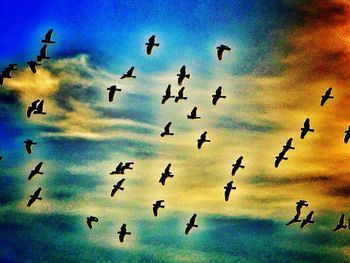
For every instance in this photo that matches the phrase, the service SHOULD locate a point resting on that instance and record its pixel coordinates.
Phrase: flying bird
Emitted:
(180, 95)
(156, 206)
(48, 37)
(39, 109)
(326, 96)
(340, 224)
(166, 174)
(167, 94)
(237, 165)
(28, 145)
(202, 140)
(280, 157)
(182, 75)
(193, 114)
(123, 232)
(119, 169)
(43, 53)
(129, 74)
(151, 43)
(35, 171)
(34, 197)
(166, 130)
(308, 220)
(347, 135)
(191, 224)
(306, 129)
(288, 145)
(91, 219)
(221, 49)
(228, 189)
(33, 64)
(32, 107)
(112, 90)
(117, 187)
(217, 95)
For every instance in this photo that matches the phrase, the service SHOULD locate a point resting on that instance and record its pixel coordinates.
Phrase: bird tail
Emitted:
(311, 130)
(156, 44)
(195, 225)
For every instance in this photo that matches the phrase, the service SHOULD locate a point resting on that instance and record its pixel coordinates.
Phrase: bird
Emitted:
(340, 224)
(7, 72)
(33, 64)
(39, 109)
(112, 90)
(294, 220)
(280, 157)
(193, 114)
(182, 75)
(307, 220)
(347, 135)
(129, 74)
(166, 130)
(166, 174)
(35, 171)
(167, 94)
(306, 129)
(180, 95)
(117, 187)
(228, 189)
(28, 145)
(217, 95)
(288, 145)
(32, 107)
(48, 37)
(119, 169)
(221, 49)
(34, 197)
(202, 140)
(156, 206)
(300, 205)
(191, 224)
(43, 53)
(91, 219)
(123, 232)
(151, 43)
(326, 96)
(237, 165)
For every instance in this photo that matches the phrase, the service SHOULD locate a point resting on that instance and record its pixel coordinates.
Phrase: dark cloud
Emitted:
(228, 122)
(343, 191)
(292, 179)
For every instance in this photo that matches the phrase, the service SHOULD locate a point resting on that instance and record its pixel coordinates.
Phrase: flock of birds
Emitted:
(37, 107)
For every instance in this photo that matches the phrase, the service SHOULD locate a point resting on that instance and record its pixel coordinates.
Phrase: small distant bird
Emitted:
(228, 189)
(289, 145)
(32, 107)
(112, 90)
(191, 224)
(33, 64)
(300, 205)
(326, 96)
(35, 171)
(28, 145)
(193, 114)
(202, 140)
(166, 174)
(48, 37)
(39, 109)
(308, 220)
(123, 232)
(180, 95)
(347, 135)
(294, 220)
(151, 43)
(166, 130)
(156, 206)
(306, 129)
(280, 157)
(217, 95)
(43, 54)
(182, 75)
(34, 197)
(340, 224)
(119, 169)
(7, 72)
(129, 74)
(91, 219)
(237, 165)
(221, 49)
(167, 94)
(117, 187)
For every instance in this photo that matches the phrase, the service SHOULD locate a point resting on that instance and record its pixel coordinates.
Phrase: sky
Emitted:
(284, 55)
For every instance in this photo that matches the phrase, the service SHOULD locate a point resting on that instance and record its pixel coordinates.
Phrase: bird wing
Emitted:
(155, 210)
(32, 67)
(114, 190)
(40, 107)
(38, 167)
(215, 99)
(188, 228)
(48, 35)
(43, 50)
(149, 49)
(168, 91)
(303, 133)
(167, 127)
(121, 236)
(199, 143)
(167, 169)
(89, 222)
(227, 193)
(28, 148)
(341, 221)
(111, 94)
(31, 201)
(130, 71)
(183, 70)
(220, 51)
(194, 112)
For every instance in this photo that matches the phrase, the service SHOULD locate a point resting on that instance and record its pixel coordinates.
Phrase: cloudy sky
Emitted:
(284, 55)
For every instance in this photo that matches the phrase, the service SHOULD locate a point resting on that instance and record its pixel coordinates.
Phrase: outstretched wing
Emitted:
(48, 35)
(220, 51)
(130, 71)
(43, 51)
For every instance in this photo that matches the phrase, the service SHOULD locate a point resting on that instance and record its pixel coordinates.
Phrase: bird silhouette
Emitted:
(182, 75)
(48, 37)
(326, 96)
(128, 166)
(180, 95)
(35, 171)
(191, 224)
(119, 169)
(166, 174)
(167, 94)
(307, 220)
(151, 43)
(228, 189)
(91, 219)
(237, 165)
(43, 53)
(340, 224)
(32, 107)
(294, 220)
(193, 114)
(306, 128)
(347, 135)
(122, 233)
(7, 72)
(28, 145)
(117, 187)
(166, 130)
(217, 95)
(288, 145)
(129, 74)
(300, 204)
(34, 197)
(202, 140)
(221, 49)
(39, 109)
(156, 206)
(280, 157)
(112, 90)
(33, 64)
